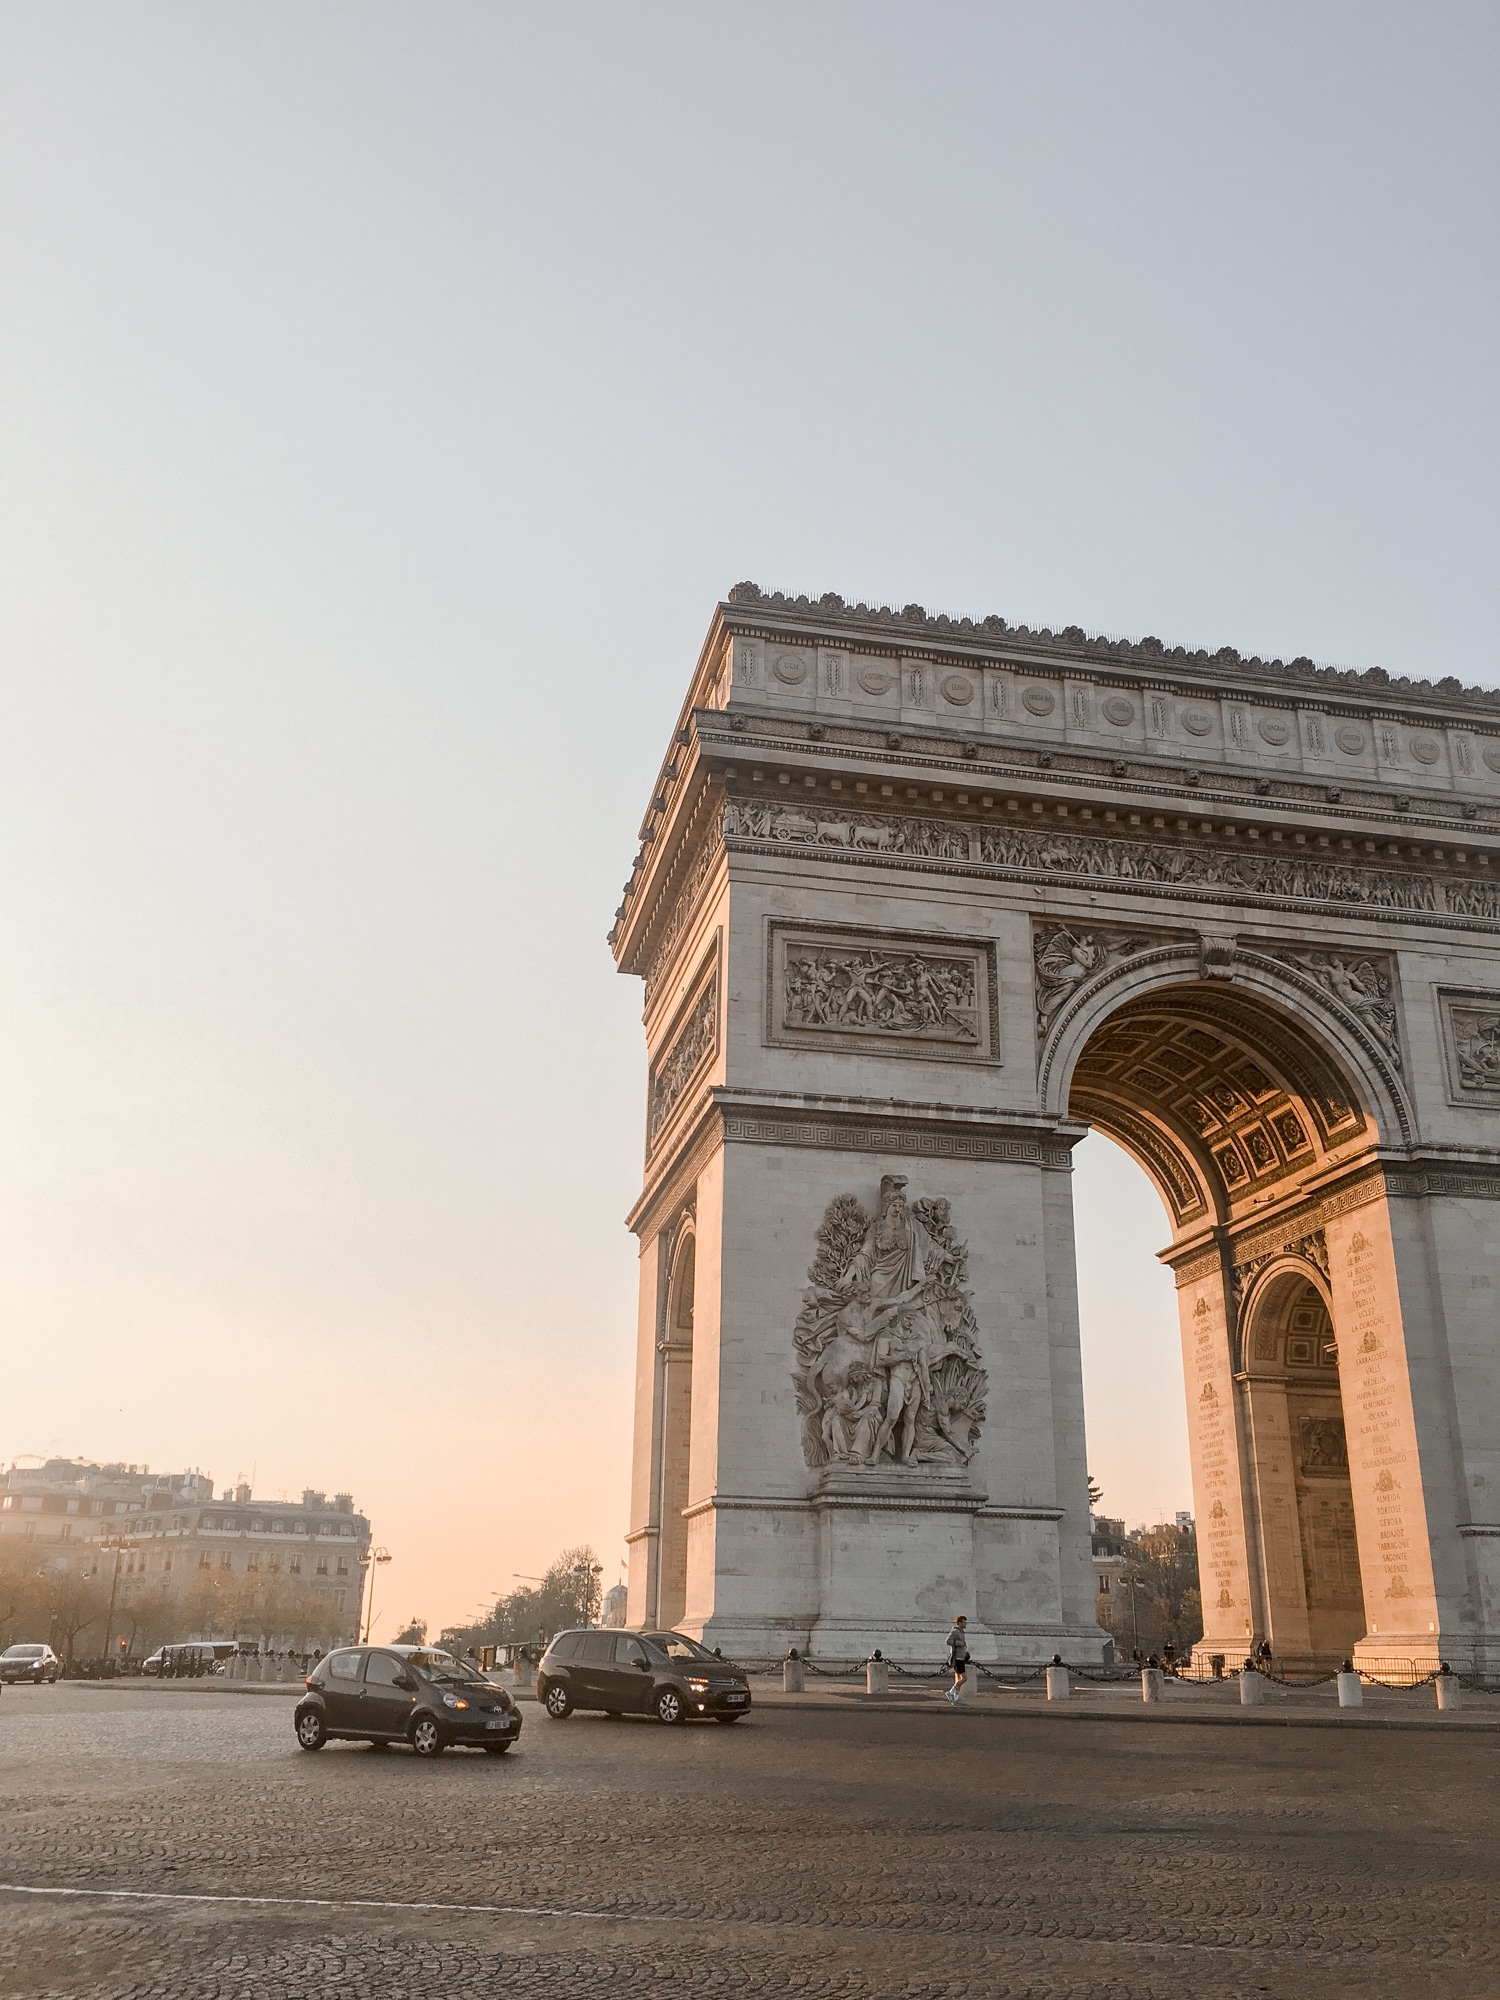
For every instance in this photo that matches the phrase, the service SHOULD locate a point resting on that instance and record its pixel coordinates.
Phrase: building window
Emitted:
(226, 1561)
(322, 1565)
(65, 1532)
(295, 1565)
(343, 1568)
(1104, 1586)
(204, 1560)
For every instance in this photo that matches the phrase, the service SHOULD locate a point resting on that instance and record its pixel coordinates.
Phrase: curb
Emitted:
(1147, 1715)
(206, 1686)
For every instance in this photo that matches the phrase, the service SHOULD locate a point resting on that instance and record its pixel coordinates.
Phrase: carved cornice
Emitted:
(1245, 1249)
(913, 628)
(992, 763)
(896, 1129)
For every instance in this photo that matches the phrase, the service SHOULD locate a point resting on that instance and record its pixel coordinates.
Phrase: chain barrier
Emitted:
(1188, 1674)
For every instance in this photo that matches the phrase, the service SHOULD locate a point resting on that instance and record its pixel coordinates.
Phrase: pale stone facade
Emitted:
(917, 902)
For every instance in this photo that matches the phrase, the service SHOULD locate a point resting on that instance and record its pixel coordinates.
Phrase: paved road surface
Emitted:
(817, 1851)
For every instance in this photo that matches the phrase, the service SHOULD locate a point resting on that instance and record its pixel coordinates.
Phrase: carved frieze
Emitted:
(888, 1367)
(895, 992)
(688, 1047)
(684, 903)
(1471, 1044)
(1188, 869)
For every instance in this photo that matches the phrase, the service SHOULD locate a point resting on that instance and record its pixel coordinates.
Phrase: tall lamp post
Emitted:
(119, 1543)
(377, 1557)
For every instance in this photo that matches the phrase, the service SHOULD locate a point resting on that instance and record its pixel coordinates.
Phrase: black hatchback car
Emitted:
(404, 1694)
(639, 1673)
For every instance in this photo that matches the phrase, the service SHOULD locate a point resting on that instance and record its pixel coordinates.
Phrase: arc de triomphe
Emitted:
(917, 902)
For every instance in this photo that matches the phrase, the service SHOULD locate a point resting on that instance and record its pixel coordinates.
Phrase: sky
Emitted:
(387, 394)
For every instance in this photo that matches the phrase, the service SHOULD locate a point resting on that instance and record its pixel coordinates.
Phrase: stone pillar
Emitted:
(1398, 1467)
(1232, 1604)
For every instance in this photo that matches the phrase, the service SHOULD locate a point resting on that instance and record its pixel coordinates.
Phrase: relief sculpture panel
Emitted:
(691, 1041)
(888, 1364)
(898, 993)
(1471, 1045)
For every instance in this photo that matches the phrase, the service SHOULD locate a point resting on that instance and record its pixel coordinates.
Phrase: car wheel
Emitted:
(669, 1706)
(496, 1749)
(312, 1731)
(557, 1701)
(426, 1737)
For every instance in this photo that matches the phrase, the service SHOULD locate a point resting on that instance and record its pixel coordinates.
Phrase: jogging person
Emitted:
(958, 1660)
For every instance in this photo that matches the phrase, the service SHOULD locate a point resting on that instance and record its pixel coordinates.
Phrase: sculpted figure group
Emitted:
(889, 992)
(887, 1349)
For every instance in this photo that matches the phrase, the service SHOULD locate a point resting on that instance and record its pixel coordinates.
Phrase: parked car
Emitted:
(404, 1694)
(30, 1663)
(640, 1673)
(185, 1662)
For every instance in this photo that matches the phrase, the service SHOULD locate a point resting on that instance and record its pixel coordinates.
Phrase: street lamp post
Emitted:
(119, 1543)
(379, 1556)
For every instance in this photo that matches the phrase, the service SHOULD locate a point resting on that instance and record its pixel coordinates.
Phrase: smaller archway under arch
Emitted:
(1314, 1603)
(676, 1355)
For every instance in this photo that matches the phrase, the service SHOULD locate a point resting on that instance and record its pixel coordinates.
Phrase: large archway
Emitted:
(1242, 1113)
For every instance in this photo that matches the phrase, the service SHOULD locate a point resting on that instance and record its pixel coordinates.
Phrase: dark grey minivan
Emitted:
(663, 1674)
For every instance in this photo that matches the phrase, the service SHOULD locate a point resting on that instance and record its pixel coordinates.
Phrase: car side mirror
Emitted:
(644, 1665)
(406, 1684)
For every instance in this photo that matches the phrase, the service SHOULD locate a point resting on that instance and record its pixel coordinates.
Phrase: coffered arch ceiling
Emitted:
(1222, 1098)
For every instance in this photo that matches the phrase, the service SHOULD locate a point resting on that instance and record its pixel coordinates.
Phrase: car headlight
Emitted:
(699, 1687)
(454, 1701)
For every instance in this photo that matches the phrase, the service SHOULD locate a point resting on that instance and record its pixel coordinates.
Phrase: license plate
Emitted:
(736, 1697)
(503, 1723)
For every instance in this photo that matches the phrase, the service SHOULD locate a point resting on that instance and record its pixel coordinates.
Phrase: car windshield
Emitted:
(23, 1653)
(443, 1667)
(676, 1647)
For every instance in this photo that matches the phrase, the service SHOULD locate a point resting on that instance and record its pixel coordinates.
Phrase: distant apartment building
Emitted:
(1109, 1543)
(283, 1572)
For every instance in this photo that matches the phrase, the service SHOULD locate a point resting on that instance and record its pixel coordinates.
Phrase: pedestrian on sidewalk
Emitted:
(958, 1660)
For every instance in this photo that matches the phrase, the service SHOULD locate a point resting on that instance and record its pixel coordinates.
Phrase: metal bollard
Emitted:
(1252, 1688)
(1450, 1690)
(877, 1674)
(1351, 1688)
(1059, 1683)
(793, 1675)
(1151, 1683)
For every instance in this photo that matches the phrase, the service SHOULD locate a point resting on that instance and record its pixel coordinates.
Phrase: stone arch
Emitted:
(1259, 1108)
(675, 1352)
(1341, 1045)
(1226, 1091)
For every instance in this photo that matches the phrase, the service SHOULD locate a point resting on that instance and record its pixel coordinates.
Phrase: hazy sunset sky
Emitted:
(387, 393)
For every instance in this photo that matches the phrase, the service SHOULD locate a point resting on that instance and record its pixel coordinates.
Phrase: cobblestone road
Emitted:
(816, 1852)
